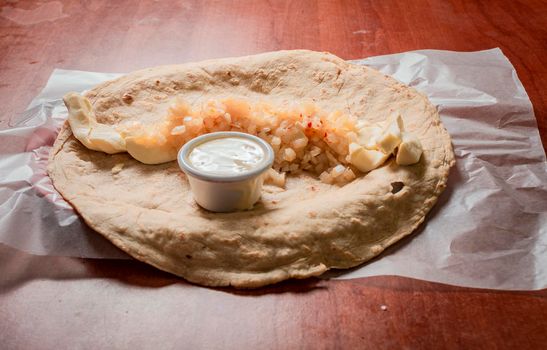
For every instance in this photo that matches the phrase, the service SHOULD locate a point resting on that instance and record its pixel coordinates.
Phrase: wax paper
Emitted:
(488, 229)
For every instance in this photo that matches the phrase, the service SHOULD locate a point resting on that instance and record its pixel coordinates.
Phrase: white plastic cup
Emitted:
(220, 193)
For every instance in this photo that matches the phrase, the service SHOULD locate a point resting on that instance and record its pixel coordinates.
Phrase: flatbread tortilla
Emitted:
(302, 231)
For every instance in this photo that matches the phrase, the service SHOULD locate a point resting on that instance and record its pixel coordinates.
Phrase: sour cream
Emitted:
(227, 156)
(226, 169)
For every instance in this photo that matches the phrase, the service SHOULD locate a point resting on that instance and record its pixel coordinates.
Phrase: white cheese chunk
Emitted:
(391, 136)
(410, 150)
(365, 159)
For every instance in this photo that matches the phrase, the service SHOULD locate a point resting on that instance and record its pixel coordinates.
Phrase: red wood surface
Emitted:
(48, 302)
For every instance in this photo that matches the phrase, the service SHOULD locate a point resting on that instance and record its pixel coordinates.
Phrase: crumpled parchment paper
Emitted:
(488, 229)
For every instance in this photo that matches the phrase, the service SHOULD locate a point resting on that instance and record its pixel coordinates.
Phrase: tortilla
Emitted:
(302, 231)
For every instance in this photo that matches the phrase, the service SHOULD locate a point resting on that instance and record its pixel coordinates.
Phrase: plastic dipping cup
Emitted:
(226, 169)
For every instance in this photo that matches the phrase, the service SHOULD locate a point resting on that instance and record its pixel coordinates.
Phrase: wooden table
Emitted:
(50, 302)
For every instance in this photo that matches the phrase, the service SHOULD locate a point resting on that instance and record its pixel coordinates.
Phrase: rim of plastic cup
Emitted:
(189, 169)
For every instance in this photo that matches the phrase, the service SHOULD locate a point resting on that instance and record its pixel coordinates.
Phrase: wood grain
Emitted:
(48, 302)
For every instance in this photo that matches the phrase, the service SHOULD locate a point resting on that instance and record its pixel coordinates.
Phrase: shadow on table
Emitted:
(19, 268)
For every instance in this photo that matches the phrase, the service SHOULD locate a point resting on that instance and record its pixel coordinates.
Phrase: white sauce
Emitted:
(226, 156)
